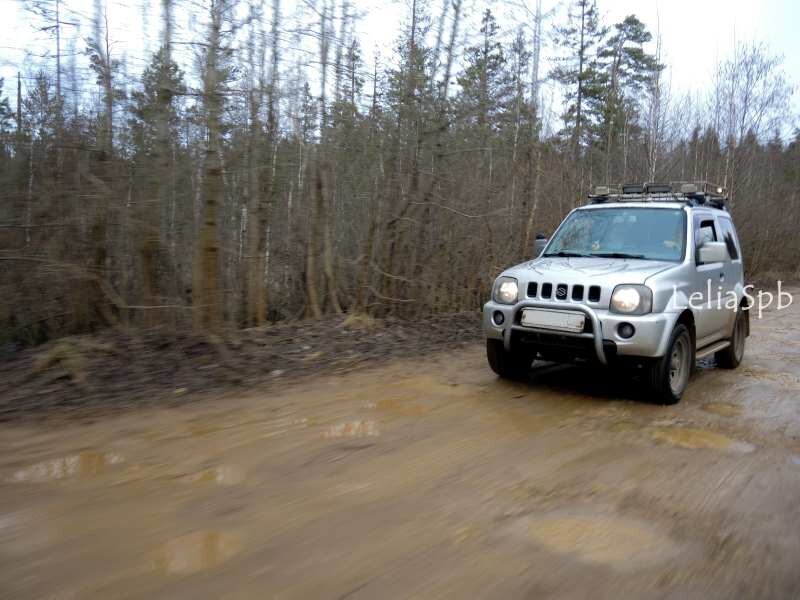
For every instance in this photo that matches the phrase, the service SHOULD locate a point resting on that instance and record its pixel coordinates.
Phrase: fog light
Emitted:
(498, 318)
(626, 330)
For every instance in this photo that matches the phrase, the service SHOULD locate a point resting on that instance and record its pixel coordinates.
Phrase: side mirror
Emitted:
(538, 245)
(712, 252)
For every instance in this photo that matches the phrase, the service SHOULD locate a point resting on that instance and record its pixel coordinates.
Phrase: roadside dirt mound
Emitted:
(84, 376)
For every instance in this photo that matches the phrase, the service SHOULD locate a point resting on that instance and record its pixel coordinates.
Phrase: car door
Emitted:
(710, 316)
(733, 269)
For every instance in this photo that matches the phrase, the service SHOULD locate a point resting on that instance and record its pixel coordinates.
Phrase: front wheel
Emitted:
(508, 365)
(668, 376)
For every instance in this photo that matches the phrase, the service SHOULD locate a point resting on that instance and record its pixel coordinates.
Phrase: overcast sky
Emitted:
(695, 34)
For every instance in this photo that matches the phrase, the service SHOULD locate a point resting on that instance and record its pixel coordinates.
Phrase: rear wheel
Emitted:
(731, 357)
(668, 376)
(508, 365)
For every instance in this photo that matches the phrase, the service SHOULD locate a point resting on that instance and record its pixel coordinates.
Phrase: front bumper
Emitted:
(649, 340)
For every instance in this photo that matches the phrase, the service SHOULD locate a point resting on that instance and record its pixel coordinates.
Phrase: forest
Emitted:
(258, 168)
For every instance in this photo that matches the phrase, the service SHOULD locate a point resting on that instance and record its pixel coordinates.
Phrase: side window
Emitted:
(729, 236)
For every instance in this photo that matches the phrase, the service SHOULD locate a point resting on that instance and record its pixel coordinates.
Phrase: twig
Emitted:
(460, 213)
(387, 298)
(389, 275)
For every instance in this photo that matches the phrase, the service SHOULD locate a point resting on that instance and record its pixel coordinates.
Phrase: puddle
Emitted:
(85, 464)
(695, 439)
(608, 540)
(400, 408)
(724, 409)
(197, 551)
(787, 380)
(356, 429)
(624, 427)
(223, 475)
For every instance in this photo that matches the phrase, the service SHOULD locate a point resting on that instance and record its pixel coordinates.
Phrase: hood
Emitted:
(587, 271)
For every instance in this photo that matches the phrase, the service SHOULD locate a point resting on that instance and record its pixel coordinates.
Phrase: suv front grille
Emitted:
(563, 292)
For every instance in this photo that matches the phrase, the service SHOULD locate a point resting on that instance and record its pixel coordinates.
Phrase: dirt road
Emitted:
(427, 478)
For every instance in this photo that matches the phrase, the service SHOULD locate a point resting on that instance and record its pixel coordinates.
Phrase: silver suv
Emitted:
(647, 275)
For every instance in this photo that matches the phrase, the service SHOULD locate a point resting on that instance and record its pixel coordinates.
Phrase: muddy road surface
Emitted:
(424, 478)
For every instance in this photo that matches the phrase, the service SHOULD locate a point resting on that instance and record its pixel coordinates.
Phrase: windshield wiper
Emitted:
(569, 254)
(617, 255)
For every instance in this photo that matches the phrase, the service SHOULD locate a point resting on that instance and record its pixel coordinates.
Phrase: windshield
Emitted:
(639, 233)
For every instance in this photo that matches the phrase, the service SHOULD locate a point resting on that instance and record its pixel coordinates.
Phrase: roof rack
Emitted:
(696, 193)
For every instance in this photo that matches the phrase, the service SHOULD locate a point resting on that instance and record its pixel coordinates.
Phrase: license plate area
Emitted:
(554, 320)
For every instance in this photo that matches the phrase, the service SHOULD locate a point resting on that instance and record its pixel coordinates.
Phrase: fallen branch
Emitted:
(460, 213)
(387, 298)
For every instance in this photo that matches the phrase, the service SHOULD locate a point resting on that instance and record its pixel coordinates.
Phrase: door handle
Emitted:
(722, 276)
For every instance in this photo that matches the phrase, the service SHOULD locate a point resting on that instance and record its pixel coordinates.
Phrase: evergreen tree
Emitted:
(40, 107)
(5, 114)
(625, 69)
(580, 70)
(485, 84)
(105, 68)
(162, 82)
(153, 123)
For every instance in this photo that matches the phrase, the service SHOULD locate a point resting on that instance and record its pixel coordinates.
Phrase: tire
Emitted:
(668, 376)
(508, 365)
(731, 357)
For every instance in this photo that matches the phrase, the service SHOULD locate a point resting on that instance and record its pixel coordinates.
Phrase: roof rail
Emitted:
(694, 193)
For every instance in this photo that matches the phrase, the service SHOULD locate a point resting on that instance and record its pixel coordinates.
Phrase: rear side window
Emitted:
(729, 236)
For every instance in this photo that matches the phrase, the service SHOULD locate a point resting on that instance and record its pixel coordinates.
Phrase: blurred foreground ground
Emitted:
(85, 377)
(422, 477)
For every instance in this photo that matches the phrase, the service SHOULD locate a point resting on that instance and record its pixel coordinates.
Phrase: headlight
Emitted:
(632, 299)
(505, 290)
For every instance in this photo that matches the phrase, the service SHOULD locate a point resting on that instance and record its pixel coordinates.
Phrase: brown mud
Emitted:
(423, 477)
(84, 377)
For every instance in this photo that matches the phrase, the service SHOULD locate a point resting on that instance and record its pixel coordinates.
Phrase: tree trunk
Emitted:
(206, 293)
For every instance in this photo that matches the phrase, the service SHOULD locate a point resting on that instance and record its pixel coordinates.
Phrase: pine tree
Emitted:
(153, 124)
(626, 69)
(485, 85)
(105, 68)
(5, 115)
(579, 70)
(162, 82)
